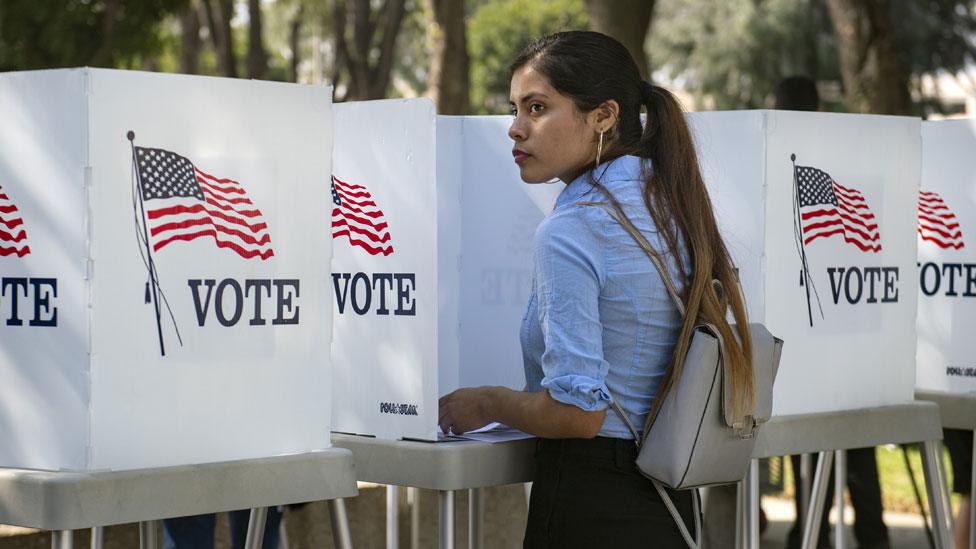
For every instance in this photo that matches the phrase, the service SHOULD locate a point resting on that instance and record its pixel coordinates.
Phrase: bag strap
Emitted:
(696, 509)
(621, 218)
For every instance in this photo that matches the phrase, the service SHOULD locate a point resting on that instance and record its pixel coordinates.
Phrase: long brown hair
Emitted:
(592, 68)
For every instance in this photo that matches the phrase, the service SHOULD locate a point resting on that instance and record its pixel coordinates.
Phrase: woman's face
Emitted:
(552, 137)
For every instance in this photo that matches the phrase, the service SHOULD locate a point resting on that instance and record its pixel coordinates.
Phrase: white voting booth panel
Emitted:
(848, 316)
(432, 262)
(163, 253)
(947, 258)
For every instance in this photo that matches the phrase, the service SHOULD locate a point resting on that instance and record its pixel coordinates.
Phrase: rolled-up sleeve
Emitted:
(569, 275)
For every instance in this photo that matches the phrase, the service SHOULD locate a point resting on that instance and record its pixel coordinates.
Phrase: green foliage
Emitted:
(731, 53)
(498, 30)
(735, 51)
(46, 34)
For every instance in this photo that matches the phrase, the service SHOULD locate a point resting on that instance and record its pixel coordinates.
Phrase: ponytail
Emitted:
(679, 204)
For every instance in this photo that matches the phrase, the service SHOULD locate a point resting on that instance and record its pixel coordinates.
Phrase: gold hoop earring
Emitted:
(599, 150)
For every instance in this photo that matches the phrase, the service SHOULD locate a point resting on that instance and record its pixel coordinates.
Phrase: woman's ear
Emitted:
(604, 117)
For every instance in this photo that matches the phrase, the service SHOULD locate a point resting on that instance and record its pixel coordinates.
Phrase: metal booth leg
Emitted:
(392, 515)
(740, 514)
(946, 493)
(806, 479)
(341, 536)
(97, 537)
(934, 486)
(750, 513)
(476, 518)
(840, 480)
(446, 518)
(61, 539)
(818, 493)
(413, 500)
(147, 534)
(255, 528)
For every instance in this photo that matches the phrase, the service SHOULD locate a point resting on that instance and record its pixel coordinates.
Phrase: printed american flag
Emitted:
(356, 216)
(185, 203)
(13, 234)
(936, 222)
(828, 208)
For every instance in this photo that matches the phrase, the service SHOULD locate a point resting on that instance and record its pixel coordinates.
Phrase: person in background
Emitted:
(799, 93)
(960, 446)
(197, 532)
(600, 325)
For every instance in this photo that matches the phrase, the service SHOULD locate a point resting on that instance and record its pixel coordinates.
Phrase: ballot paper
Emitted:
(491, 433)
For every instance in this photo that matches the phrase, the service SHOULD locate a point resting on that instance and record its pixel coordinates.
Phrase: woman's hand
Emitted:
(464, 410)
(534, 413)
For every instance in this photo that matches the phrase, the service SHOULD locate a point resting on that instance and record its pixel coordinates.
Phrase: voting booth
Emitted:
(163, 252)
(432, 262)
(947, 258)
(818, 211)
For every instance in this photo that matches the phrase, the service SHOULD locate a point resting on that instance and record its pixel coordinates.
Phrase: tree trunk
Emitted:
(103, 56)
(218, 14)
(341, 48)
(874, 81)
(448, 80)
(627, 21)
(367, 79)
(190, 30)
(381, 73)
(294, 39)
(257, 58)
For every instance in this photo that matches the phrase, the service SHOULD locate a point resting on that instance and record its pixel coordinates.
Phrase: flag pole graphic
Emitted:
(152, 266)
(805, 276)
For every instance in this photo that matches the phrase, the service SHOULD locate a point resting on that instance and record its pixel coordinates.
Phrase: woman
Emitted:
(600, 325)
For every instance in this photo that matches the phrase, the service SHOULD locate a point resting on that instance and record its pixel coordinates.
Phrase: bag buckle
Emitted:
(748, 427)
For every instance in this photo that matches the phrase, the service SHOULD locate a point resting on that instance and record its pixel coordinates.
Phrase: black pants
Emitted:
(960, 446)
(865, 490)
(588, 493)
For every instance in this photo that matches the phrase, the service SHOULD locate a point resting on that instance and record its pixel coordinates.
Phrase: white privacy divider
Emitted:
(848, 317)
(164, 254)
(825, 245)
(432, 264)
(947, 258)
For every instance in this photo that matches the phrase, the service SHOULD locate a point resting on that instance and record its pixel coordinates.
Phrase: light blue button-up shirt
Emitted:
(599, 320)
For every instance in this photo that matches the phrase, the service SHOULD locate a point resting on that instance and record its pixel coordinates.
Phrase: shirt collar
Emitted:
(623, 168)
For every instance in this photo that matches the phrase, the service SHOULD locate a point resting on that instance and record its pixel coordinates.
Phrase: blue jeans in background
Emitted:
(197, 532)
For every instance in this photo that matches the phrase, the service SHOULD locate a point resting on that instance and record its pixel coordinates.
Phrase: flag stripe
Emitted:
(178, 209)
(13, 250)
(946, 234)
(245, 237)
(243, 252)
(348, 185)
(21, 235)
(360, 203)
(941, 243)
(939, 222)
(930, 211)
(377, 226)
(11, 223)
(387, 250)
(369, 234)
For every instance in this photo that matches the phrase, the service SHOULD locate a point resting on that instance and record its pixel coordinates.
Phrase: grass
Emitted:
(896, 485)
